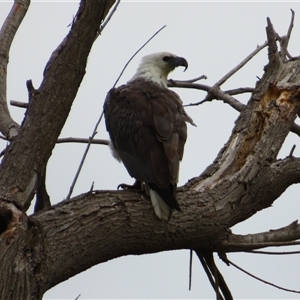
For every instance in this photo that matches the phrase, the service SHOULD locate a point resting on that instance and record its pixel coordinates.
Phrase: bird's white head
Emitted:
(157, 66)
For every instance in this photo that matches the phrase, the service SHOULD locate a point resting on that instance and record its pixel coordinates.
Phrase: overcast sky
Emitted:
(214, 38)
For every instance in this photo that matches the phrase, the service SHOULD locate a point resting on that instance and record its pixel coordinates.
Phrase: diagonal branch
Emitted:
(240, 65)
(63, 75)
(107, 19)
(228, 262)
(214, 275)
(8, 126)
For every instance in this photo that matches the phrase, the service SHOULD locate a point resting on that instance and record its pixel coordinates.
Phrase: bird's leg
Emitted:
(136, 186)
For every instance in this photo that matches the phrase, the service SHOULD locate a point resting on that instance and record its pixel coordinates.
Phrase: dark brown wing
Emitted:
(147, 126)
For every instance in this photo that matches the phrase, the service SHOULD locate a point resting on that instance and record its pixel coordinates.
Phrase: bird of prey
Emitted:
(146, 123)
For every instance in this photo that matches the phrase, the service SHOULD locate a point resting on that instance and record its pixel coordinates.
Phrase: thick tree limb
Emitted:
(121, 214)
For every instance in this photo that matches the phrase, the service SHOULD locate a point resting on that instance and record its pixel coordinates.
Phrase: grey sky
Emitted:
(214, 38)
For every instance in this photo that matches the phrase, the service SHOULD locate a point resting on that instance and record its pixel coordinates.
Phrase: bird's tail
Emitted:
(163, 201)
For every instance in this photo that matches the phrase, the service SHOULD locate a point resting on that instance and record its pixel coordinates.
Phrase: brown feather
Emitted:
(147, 126)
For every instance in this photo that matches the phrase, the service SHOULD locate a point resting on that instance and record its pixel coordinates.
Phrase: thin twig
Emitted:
(214, 271)
(83, 159)
(82, 140)
(295, 129)
(206, 269)
(190, 269)
(291, 26)
(101, 116)
(292, 151)
(210, 95)
(238, 91)
(284, 41)
(190, 80)
(240, 65)
(262, 280)
(19, 104)
(130, 59)
(113, 10)
(92, 187)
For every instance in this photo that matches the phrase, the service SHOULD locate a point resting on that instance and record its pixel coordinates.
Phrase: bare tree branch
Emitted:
(190, 269)
(240, 65)
(295, 129)
(227, 261)
(107, 19)
(273, 54)
(136, 52)
(82, 140)
(210, 274)
(190, 80)
(214, 275)
(292, 151)
(239, 91)
(284, 41)
(273, 252)
(83, 159)
(215, 91)
(19, 104)
(218, 94)
(8, 126)
(285, 236)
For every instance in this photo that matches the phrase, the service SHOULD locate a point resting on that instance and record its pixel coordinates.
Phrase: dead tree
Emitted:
(245, 177)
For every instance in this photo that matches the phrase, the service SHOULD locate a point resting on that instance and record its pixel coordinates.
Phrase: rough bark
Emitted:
(26, 157)
(244, 178)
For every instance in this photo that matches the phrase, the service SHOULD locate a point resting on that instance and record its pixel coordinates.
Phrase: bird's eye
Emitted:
(166, 58)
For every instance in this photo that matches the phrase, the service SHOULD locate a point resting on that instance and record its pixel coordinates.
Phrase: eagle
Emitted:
(146, 123)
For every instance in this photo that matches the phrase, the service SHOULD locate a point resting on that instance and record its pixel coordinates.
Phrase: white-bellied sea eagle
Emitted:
(146, 123)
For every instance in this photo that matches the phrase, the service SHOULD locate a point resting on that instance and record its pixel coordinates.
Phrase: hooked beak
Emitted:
(178, 62)
(181, 62)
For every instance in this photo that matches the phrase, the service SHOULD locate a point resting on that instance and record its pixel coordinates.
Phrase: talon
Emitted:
(135, 186)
